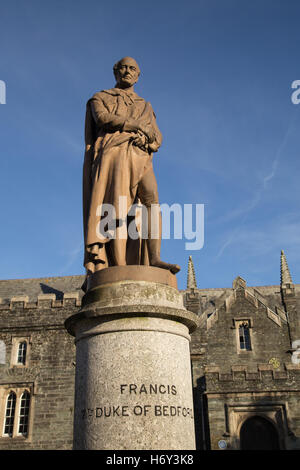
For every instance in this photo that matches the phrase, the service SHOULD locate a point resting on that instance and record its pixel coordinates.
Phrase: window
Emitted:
(22, 353)
(24, 414)
(10, 414)
(244, 335)
(15, 417)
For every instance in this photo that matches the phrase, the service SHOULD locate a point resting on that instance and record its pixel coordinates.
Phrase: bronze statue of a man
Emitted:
(121, 135)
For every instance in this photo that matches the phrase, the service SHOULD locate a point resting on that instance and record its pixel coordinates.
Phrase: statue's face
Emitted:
(127, 73)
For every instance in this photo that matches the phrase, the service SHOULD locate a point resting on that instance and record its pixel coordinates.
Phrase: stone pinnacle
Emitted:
(285, 276)
(191, 278)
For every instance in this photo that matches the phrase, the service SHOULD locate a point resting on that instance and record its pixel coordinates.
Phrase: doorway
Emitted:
(258, 433)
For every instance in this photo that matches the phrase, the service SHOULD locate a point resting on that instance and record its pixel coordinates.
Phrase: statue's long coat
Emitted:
(113, 166)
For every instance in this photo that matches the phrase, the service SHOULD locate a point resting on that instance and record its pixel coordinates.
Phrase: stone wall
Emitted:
(49, 372)
(229, 384)
(233, 398)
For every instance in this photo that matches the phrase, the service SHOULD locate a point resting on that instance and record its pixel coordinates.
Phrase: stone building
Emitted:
(245, 359)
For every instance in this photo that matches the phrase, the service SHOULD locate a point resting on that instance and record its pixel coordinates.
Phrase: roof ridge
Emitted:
(39, 278)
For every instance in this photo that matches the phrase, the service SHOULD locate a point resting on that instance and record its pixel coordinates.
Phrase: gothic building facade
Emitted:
(245, 360)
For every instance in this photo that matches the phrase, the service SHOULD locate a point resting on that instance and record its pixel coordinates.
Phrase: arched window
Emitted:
(258, 433)
(22, 349)
(24, 413)
(10, 414)
(244, 336)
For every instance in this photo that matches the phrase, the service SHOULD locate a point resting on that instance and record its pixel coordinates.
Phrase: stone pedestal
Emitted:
(133, 387)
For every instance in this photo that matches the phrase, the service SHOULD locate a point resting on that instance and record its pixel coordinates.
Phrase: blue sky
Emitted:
(218, 74)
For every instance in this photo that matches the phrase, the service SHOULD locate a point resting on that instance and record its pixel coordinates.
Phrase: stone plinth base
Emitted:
(133, 385)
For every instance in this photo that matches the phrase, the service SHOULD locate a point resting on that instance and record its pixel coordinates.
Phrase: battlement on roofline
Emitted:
(263, 372)
(43, 301)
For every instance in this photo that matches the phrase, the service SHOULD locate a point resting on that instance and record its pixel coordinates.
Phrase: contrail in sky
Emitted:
(258, 194)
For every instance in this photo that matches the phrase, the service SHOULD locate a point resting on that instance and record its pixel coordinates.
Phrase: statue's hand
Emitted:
(132, 125)
(149, 132)
(153, 147)
(140, 141)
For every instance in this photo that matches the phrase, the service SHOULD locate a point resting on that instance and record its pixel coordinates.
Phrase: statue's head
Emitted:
(126, 72)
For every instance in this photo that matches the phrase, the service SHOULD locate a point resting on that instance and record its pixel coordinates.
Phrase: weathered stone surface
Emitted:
(133, 376)
(133, 389)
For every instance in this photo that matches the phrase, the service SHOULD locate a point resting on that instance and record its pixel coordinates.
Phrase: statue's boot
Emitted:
(154, 257)
(154, 244)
